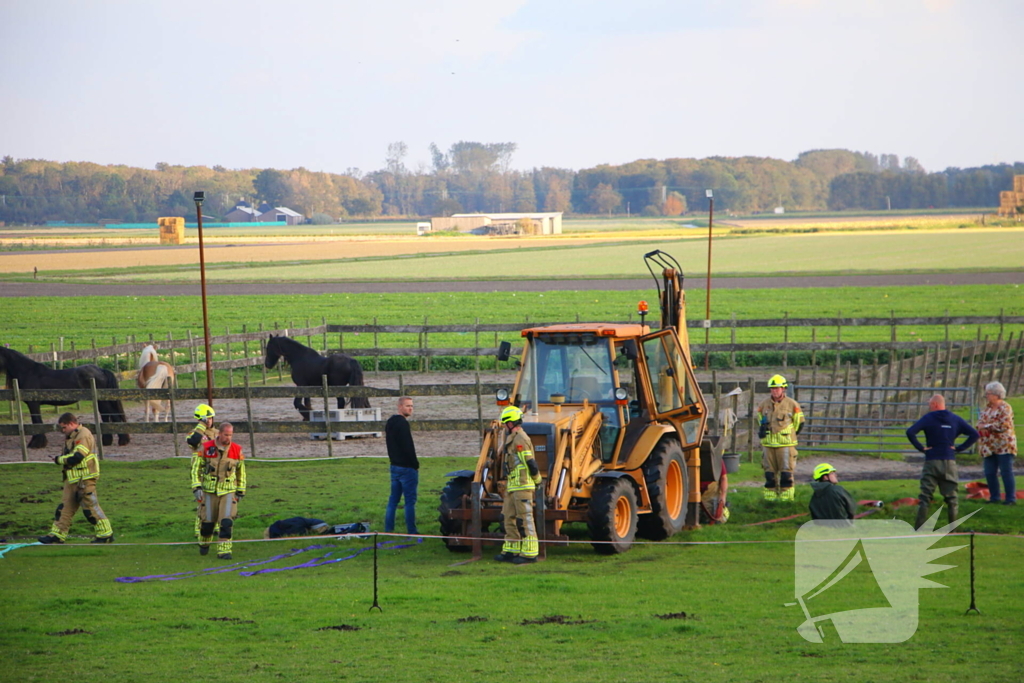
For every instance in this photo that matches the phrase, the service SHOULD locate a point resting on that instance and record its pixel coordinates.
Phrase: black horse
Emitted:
(33, 375)
(308, 367)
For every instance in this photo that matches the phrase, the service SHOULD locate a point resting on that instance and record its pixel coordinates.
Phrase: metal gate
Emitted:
(869, 420)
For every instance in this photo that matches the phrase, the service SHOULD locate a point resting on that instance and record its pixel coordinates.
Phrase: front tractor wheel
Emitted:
(612, 516)
(668, 485)
(453, 497)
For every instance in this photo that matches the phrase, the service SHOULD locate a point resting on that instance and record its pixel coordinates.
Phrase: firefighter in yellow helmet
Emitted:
(223, 484)
(202, 432)
(80, 470)
(781, 420)
(523, 476)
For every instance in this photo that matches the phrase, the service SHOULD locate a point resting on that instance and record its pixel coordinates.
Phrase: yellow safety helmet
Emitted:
(823, 469)
(511, 414)
(204, 411)
(777, 381)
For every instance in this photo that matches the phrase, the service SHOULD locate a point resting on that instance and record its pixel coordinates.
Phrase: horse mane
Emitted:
(10, 356)
(148, 355)
(289, 347)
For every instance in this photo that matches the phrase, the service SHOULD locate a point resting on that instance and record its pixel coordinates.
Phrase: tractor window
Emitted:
(663, 370)
(578, 366)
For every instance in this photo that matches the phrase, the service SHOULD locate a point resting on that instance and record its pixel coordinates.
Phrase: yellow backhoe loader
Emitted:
(618, 424)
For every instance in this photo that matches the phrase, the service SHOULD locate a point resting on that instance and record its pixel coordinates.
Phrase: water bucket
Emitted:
(732, 462)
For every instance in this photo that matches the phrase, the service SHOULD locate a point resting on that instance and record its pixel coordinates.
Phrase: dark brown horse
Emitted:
(308, 367)
(33, 375)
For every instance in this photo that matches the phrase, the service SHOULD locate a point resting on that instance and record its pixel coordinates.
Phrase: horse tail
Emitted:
(355, 379)
(114, 409)
(148, 355)
(159, 378)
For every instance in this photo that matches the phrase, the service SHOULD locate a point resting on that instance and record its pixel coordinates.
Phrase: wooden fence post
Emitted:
(21, 418)
(61, 366)
(323, 324)
(227, 354)
(174, 416)
(263, 354)
(480, 411)
(193, 357)
(248, 415)
(476, 345)
(426, 345)
(96, 417)
(785, 338)
(751, 419)
(327, 418)
(376, 349)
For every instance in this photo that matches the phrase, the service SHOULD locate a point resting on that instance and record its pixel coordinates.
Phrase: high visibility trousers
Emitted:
(517, 509)
(200, 516)
(778, 464)
(80, 494)
(219, 510)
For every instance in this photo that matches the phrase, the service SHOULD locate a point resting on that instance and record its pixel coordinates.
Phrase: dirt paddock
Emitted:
(428, 444)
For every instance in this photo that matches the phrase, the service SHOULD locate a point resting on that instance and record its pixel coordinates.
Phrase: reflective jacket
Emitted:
(78, 457)
(520, 467)
(199, 435)
(784, 419)
(222, 471)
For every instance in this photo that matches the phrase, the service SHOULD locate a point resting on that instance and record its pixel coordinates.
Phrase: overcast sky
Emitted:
(327, 84)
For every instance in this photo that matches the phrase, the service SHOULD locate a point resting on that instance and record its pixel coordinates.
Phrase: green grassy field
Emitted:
(42, 320)
(457, 623)
(765, 255)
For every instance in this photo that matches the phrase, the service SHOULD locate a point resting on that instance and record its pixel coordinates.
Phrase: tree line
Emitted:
(478, 177)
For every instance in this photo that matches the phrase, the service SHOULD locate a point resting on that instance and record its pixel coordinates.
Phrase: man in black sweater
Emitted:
(405, 468)
(941, 429)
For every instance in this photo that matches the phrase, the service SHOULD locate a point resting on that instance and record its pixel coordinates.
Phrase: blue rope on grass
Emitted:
(320, 561)
(7, 547)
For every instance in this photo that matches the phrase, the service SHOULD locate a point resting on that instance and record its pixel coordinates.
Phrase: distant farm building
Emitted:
(501, 223)
(244, 213)
(1011, 200)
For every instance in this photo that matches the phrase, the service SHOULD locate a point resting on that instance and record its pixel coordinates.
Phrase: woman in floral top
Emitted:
(998, 443)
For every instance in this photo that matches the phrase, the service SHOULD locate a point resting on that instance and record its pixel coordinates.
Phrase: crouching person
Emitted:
(830, 500)
(80, 470)
(223, 485)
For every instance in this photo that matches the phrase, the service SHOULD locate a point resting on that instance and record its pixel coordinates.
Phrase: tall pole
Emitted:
(198, 198)
(707, 312)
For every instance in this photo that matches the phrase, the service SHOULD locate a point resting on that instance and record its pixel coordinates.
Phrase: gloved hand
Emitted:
(198, 493)
(762, 431)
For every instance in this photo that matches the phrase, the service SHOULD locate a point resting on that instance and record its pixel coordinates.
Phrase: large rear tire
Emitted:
(668, 486)
(612, 516)
(453, 497)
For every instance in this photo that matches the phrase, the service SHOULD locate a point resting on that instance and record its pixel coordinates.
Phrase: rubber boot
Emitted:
(922, 515)
(787, 494)
(771, 495)
(951, 511)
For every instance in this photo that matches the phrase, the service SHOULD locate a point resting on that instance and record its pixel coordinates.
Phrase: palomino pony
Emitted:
(33, 375)
(154, 374)
(308, 367)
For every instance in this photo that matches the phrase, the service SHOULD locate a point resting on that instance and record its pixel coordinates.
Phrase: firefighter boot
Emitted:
(787, 494)
(922, 514)
(104, 539)
(951, 511)
(522, 559)
(504, 557)
(770, 493)
(50, 539)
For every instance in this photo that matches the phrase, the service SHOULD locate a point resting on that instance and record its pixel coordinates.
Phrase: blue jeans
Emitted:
(1000, 463)
(404, 481)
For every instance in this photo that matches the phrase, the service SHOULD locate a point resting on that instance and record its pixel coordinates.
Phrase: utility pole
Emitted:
(707, 313)
(198, 198)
